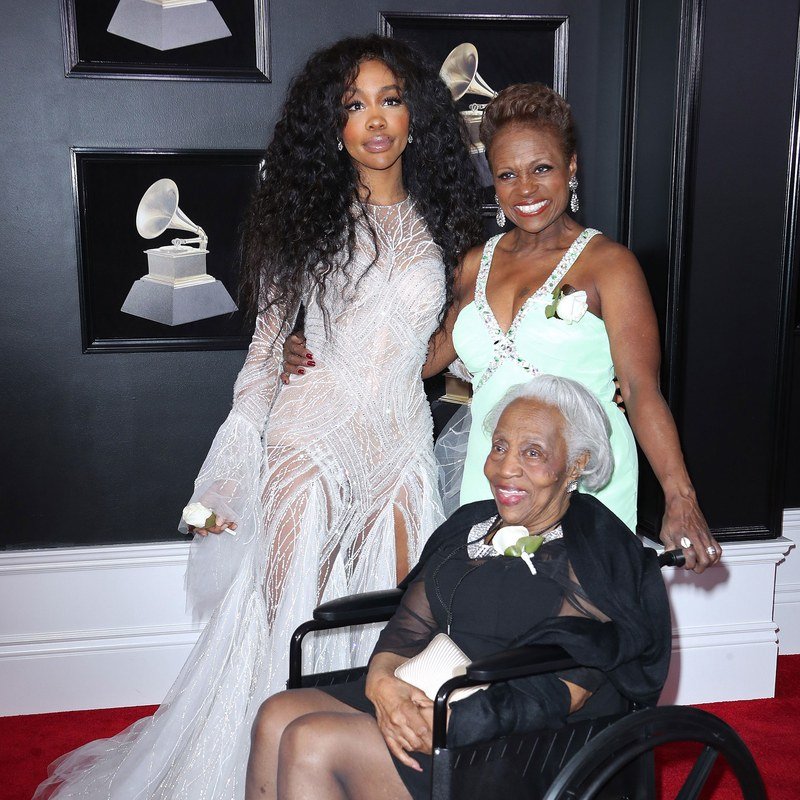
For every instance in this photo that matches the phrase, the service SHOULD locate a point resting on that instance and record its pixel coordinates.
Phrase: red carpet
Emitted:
(770, 728)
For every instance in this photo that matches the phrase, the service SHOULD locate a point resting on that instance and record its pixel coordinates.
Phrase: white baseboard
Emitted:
(787, 588)
(92, 627)
(104, 627)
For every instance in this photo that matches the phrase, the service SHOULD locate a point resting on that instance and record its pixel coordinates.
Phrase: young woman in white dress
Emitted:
(366, 202)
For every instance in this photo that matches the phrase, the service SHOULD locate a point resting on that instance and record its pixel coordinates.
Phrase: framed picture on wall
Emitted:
(157, 237)
(221, 40)
(481, 54)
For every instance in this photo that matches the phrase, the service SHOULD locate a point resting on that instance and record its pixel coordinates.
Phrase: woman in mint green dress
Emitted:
(536, 342)
(551, 296)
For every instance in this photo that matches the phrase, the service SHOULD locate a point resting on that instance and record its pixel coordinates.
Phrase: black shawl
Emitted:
(620, 576)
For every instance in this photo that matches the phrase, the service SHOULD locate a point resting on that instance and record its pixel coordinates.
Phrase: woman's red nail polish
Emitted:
(301, 371)
(308, 355)
(311, 363)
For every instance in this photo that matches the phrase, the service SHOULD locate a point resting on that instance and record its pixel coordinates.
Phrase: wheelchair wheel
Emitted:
(637, 736)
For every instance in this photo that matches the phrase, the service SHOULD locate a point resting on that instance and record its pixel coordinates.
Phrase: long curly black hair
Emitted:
(299, 224)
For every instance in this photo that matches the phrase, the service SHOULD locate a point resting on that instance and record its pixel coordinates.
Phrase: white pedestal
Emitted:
(725, 642)
(787, 588)
(168, 28)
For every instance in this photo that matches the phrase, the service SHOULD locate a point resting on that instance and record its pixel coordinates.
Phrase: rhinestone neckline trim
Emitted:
(505, 347)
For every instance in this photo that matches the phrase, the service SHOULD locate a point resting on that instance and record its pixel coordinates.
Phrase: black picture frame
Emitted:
(90, 51)
(512, 48)
(215, 187)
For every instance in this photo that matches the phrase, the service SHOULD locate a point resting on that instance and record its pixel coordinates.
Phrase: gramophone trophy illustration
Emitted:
(460, 74)
(177, 289)
(167, 24)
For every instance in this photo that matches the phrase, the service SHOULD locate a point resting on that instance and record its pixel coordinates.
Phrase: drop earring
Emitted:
(339, 145)
(500, 217)
(410, 135)
(574, 203)
(572, 486)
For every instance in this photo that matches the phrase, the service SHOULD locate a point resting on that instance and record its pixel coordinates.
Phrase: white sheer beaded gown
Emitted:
(331, 479)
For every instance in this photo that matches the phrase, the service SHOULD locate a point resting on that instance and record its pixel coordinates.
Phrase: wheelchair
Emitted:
(605, 758)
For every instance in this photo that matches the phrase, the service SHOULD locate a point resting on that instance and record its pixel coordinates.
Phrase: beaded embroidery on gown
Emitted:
(321, 475)
(499, 360)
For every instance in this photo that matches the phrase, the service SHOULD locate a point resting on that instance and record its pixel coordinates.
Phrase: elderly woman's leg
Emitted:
(327, 755)
(272, 719)
(284, 723)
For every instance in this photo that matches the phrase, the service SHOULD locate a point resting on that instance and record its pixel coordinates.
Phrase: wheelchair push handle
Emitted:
(671, 558)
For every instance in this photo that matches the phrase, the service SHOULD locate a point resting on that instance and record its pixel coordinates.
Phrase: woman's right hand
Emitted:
(221, 526)
(296, 357)
(398, 710)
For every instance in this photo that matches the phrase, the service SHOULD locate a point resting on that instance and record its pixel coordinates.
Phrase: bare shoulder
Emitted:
(468, 272)
(611, 261)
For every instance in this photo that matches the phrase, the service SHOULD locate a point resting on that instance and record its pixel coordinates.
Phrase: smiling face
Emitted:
(527, 465)
(531, 175)
(376, 131)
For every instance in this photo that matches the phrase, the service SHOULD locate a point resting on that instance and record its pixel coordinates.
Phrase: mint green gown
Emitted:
(533, 344)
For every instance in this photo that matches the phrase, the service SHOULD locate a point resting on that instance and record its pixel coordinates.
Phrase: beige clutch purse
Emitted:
(441, 660)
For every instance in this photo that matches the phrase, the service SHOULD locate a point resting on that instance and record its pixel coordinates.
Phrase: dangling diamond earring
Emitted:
(574, 203)
(410, 135)
(500, 217)
(339, 145)
(572, 486)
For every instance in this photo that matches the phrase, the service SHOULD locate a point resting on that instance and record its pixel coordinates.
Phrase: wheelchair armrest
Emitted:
(516, 663)
(360, 608)
(520, 662)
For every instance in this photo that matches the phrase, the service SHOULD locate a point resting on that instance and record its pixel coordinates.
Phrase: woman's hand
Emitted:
(684, 524)
(296, 357)
(400, 710)
(221, 526)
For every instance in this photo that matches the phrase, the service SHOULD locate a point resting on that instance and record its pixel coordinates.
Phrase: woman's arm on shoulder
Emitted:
(441, 352)
(630, 319)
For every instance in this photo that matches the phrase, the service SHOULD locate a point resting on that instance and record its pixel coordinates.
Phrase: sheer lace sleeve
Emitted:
(228, 480)
(412, 627)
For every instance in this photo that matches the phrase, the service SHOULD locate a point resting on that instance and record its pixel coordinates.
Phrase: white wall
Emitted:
(106, 626)
(91, 627)
(787, 588)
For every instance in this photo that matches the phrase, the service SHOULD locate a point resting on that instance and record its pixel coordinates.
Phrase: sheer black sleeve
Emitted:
(412, 627)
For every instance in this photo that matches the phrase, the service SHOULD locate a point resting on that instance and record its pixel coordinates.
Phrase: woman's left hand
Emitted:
(684, 527)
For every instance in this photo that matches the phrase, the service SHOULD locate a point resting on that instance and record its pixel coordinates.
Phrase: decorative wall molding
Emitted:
(92, 627)
(20, 562)
(787, 588)
(100, 627)
(99, 641)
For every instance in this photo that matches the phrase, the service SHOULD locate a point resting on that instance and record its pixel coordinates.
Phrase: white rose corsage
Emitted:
(199, 516)
(568, 304)
(516, 541)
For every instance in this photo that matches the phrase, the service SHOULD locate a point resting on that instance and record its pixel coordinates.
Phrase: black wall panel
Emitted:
(729, 370)
(103, 448)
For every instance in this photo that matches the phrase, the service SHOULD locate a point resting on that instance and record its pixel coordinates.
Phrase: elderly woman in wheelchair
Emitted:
(540, 564)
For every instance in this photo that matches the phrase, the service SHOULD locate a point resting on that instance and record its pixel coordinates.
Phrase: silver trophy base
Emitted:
(162, 28)
(177, 305)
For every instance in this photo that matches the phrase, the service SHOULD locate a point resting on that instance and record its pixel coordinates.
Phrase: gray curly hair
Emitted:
(586, 426)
